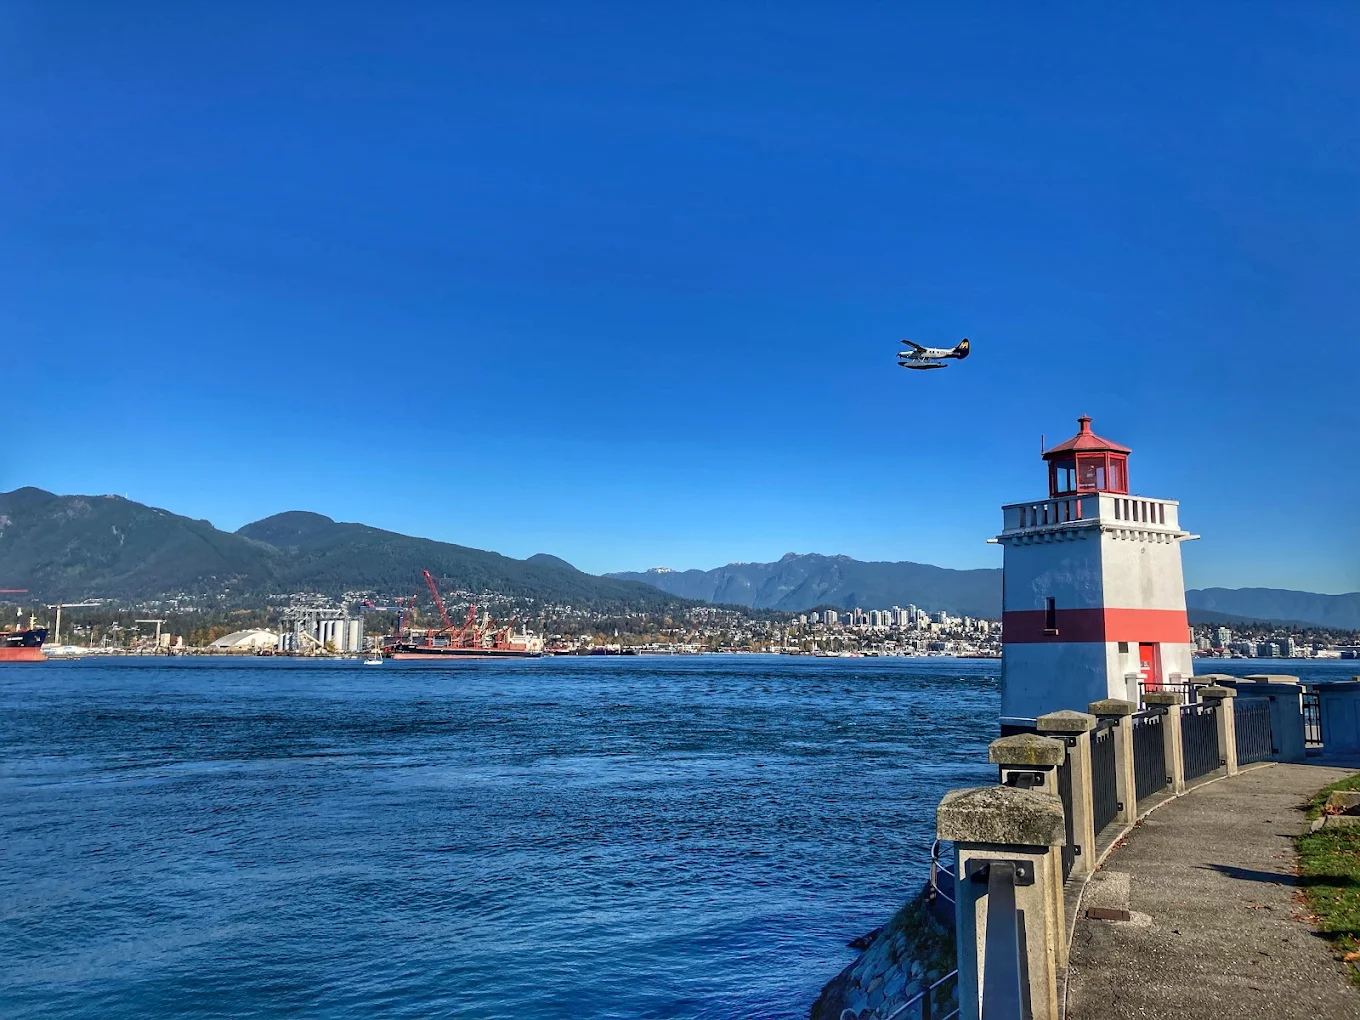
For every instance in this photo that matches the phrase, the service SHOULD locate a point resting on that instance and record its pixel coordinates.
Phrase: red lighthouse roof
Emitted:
(1087, 463)
(1085, 441)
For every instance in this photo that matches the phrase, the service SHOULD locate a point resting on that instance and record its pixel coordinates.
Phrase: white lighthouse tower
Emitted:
(1093, 597)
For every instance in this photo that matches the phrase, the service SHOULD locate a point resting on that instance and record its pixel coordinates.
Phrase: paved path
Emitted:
(1215, 932)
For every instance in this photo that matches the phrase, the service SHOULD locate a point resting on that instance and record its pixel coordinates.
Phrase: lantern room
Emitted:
(1087, 463)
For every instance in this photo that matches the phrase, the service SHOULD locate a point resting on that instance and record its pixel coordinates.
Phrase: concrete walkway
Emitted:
(1215, 931)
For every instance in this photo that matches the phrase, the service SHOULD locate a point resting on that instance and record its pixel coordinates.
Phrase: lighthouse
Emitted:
(1093, 596)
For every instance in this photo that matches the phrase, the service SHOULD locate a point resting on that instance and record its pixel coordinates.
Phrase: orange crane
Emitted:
(438, 602)
(455, 633)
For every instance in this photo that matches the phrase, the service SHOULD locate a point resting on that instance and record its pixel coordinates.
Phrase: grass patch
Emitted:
(1329, 879)
(1314, 805)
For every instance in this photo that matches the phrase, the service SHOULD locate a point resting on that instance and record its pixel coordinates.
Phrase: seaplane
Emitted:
(922, 358)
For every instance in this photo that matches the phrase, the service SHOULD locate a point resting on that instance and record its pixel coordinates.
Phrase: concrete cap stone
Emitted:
(1111, 706)
(1163, 698)
(1026, 749)
(1001, 814)
(1216, 678)
(1272, 678)
(1217, 693)
(1066, 721)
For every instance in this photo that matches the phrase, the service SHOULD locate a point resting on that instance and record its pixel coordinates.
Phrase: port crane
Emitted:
(457, 634)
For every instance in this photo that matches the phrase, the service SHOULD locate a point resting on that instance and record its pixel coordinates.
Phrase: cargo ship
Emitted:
(23, 644)
(515, 646)
(470, 640)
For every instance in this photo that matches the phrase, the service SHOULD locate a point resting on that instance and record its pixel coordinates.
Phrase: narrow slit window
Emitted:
(1050, 614)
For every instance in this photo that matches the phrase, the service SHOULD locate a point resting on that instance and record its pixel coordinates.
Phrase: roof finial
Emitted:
(1085, 422)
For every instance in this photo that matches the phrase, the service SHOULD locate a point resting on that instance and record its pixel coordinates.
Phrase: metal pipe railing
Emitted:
(1003, 983)
(926, 998)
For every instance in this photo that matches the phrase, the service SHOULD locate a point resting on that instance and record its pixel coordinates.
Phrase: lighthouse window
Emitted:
(1050, 614)
(1117, 480)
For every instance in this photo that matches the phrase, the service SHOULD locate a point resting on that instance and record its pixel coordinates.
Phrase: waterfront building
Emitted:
(1093, 595)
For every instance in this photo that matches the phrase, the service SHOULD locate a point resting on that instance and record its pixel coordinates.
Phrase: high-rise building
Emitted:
(1222, 637)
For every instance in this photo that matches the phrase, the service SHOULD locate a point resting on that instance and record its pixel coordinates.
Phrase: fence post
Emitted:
(1021, 828)
(1126, 782)
(1029, 761)
(1074, 728)
(1171, 736)
(1222, 700)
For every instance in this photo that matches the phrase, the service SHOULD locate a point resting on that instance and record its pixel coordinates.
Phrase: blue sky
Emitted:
(624, 282)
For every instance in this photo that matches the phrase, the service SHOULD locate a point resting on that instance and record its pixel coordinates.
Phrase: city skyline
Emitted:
(626, 286)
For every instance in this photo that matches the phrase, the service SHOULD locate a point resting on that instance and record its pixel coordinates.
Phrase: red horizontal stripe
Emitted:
(1163, 626)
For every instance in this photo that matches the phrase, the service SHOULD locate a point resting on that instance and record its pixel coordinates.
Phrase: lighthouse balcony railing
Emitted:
(1045, 513)
(1092, 508)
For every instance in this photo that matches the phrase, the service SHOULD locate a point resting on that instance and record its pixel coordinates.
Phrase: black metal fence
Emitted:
(1104, 785)
(1149, 752)
(1251, 720)
(1199, 739)
(1312, 720)
(1069, 850)
(1182, 687)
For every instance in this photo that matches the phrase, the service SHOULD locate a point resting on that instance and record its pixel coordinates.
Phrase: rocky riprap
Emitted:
(910, 952)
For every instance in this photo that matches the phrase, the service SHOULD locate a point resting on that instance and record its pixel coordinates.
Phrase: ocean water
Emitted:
(639, 837)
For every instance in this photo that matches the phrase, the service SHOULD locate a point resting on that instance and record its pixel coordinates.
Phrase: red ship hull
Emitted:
(437, 652)
(23, 645)
(21, 654)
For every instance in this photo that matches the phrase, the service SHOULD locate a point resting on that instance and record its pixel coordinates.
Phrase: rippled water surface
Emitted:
(668, 837)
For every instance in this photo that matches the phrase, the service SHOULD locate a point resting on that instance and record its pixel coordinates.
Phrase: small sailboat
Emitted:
(374, 658)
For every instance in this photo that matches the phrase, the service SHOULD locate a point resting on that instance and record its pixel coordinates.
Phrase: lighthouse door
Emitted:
(1150, 666)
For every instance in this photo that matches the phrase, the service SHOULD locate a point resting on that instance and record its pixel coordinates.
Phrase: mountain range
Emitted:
(73, 547)
(797, 583)
(68, 548)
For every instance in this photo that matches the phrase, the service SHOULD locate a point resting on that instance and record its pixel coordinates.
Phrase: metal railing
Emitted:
(1312, 719)
(1004, 963)
(1149, 753)
(1199, 740)
(1104, 781)
(1255, 738)
(1069, 850)
(1182, 687)
(940, 897)
(929, 999)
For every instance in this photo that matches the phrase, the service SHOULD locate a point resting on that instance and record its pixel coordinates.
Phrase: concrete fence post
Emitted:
(1030, 761)
(1222, 699)
(1126, 781)
(1020, 829)
(1171, 736)
(1074, 729)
